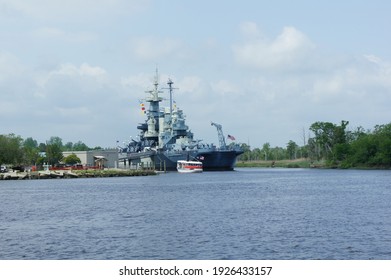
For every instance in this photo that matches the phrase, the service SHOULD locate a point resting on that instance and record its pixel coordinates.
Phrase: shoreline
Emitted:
(302, 163)
(297, 163)
(74, 174)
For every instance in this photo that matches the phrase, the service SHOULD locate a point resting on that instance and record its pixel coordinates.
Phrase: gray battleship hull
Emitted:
(219, 160)
(164, 138)
(212, 160)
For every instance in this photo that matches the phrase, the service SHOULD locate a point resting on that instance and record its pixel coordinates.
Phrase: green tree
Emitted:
(31, 151)
(246, 154)
(277, 153)
(80, 146)
(54, 150)
(327, 137)
(323, 137)
(72, 159)
(256, 154)
(11, 149)
(372, 149)
(42, 147)
(68, 146)
(313, 148)
(266, 150)
(291, 149)
(304, 151)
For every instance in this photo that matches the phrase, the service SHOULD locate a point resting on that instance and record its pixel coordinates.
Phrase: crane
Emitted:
(220, 135)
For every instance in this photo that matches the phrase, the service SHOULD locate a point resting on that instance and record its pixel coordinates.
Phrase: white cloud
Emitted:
(223, 87)
(75, 102)
(71, 10)
(363, 77)
(289, 50)
(289, 83)
(95, 76)
(189, 84)
(250, 30)
(83, 70)
(153, 48)
(10, 66)
(383, 69)
(374, 59)
(53, 33)
(139, 80)
(77, 112)
(261, 87)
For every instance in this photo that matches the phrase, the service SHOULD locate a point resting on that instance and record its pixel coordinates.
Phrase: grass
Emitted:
(296, 163)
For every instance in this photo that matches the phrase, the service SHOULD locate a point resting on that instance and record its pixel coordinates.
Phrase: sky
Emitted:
(264, 70)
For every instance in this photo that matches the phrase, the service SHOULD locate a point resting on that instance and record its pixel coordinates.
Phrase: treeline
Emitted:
(334, 144)
(291, 151)
(16, 151)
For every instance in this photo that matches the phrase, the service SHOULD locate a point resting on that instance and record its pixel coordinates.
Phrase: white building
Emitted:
(102, 158)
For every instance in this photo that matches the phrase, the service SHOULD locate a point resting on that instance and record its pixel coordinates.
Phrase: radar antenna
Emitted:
(170, 88)
(155, 92)
(220, 135)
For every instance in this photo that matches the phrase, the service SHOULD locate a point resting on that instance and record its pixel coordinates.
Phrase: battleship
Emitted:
(164, 138)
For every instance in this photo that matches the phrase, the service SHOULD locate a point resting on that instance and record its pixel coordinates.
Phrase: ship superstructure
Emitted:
(164, 138)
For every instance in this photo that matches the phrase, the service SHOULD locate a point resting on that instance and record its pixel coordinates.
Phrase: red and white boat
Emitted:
(185, 166)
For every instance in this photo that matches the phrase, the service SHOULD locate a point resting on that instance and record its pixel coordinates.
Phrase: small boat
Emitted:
(186, 166)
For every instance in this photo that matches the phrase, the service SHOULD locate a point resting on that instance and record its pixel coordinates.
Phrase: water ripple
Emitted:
(246, 214)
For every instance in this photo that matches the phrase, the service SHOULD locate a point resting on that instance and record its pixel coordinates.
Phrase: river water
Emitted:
(244, 214)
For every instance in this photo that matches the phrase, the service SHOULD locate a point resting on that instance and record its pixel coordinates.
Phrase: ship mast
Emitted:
(154, 98)
(154, 111)
(170, 88)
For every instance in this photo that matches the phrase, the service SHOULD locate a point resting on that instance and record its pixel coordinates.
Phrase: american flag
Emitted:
(230, 137)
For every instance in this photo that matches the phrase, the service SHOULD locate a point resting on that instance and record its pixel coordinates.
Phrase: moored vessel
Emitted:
(185, 166)
(165, 139)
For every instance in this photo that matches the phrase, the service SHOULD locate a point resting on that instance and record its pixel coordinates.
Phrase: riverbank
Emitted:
(304, 163)
(68, 174)
(297, 163)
